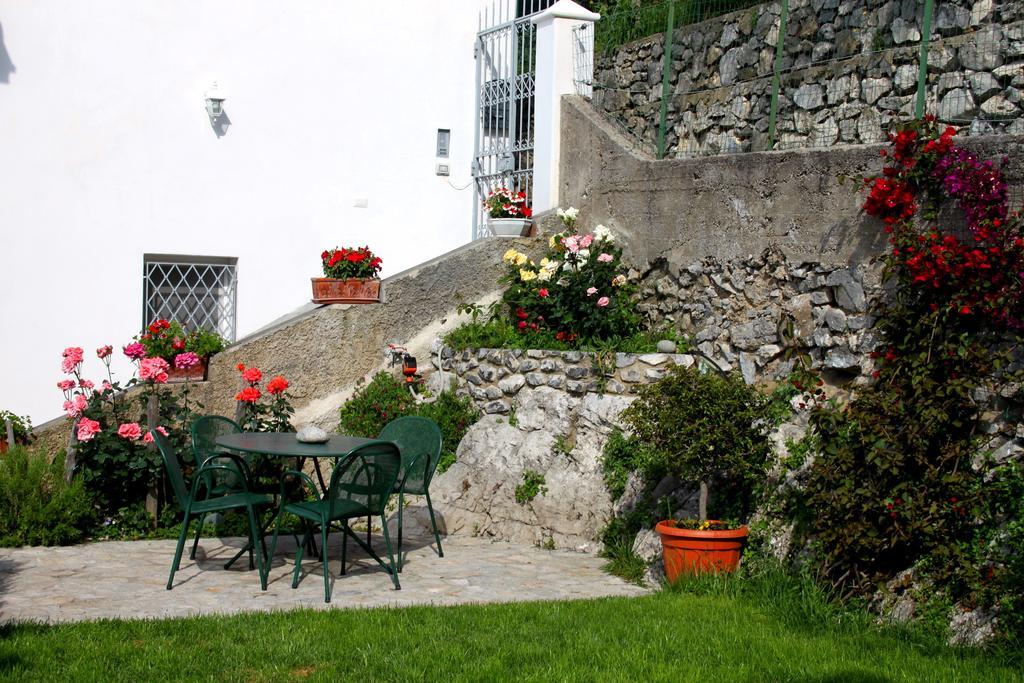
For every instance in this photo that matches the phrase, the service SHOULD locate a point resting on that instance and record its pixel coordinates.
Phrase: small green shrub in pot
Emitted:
(705, 427)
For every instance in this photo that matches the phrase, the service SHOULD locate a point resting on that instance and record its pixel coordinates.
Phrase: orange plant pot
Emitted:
(3, 446)
(328, 290)
(688, 551)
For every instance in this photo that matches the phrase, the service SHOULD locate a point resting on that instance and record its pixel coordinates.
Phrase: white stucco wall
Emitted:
(106, 153)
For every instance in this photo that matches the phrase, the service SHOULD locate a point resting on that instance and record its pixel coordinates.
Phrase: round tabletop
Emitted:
(286, 445)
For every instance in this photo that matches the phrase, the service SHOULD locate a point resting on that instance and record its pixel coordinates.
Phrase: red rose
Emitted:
(252, 375)
(248, 395)
(277, 385)
(542, 293)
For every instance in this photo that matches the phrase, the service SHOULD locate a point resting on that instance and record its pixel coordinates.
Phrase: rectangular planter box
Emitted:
(196, 373)
(351, 291)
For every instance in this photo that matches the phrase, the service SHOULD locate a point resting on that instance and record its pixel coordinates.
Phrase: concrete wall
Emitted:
(803, 202)
(108, 154)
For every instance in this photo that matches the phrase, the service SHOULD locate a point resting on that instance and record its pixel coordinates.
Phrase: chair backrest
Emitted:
(205, 431)
(416, 437)
(367, 477)
(173, 465)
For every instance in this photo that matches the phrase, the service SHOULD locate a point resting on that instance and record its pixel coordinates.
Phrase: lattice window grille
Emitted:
(195, 292)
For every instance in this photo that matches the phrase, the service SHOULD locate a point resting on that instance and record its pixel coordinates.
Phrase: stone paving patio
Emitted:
(127, 579)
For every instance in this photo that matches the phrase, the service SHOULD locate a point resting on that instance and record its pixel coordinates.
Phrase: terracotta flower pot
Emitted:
(3, 446)
(328, 290)
(688, 551)
(196, 373)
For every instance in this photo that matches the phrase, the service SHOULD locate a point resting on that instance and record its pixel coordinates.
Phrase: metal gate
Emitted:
(505, 51)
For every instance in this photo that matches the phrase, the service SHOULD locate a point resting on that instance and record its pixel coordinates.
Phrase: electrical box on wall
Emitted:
(444, 139)
(442, 169)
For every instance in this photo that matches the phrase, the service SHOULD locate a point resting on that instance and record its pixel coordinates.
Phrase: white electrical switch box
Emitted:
(362, 202)
(442, 169)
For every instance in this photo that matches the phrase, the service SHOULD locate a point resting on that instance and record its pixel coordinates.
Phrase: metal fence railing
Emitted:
(697, 77)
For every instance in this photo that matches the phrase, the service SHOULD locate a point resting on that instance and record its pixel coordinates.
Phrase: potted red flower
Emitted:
(350, 277)
(508, 213)
(187, 353)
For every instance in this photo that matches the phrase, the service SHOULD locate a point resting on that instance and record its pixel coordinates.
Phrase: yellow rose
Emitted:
(521, 259)
(527, 275)
(510, 256)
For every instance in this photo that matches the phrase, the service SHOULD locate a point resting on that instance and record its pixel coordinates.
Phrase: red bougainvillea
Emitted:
(976, 272)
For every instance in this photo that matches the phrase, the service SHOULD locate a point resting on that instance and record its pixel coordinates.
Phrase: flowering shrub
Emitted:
(577, 291)
(976, 275)
(896, 481)
(350, 263)
(167, 340)
(506, 203)
(270, 415)
(112, 456)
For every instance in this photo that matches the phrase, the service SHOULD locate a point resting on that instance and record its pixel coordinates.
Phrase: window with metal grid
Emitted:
(196, 291)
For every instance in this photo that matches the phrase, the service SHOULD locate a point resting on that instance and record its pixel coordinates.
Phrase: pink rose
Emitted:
(602, 302)
(148, 438)
(85, 384)
(104, 351)
(184, 361)
(70, 409)
(80, 402)
(154, 370)
(72, 359)
(130, 431)
(66, 385)
(585, 241)
(591, 291)
(571, 243)
(87, 429)
(135, 351)
(107, 386)
(605, 258)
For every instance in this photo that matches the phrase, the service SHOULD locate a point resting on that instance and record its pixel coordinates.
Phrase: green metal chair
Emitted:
(205, 431)
(360, 486)
(201, 498)
(419, 440)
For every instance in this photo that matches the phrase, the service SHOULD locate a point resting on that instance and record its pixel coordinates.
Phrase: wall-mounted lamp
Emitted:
(215, 101)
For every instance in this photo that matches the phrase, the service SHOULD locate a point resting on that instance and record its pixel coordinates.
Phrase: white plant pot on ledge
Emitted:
(509, 227)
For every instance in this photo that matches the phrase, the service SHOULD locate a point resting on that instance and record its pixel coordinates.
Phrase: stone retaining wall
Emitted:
(849, 69)
(493, 377)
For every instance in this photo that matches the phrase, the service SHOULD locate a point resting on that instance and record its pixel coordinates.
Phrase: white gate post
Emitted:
(554, 79)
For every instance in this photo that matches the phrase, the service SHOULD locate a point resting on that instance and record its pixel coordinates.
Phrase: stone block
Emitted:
(511, 385)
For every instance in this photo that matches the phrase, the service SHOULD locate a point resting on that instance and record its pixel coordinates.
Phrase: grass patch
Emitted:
(712, 632)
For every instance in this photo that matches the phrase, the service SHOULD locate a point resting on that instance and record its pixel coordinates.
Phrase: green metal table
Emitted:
(285, 445)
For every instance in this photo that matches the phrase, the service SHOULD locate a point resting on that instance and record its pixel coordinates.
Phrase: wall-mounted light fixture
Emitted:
(215, 101)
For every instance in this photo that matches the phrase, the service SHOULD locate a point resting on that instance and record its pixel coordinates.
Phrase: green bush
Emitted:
(37, 507)
(709, 428)
(386, 398)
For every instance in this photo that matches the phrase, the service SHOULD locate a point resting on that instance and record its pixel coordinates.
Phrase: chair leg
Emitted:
(401, 509)
(324, 526)
(433, 523)
(344, 546)
(298, 558)
(254, 531)
(369, 526)
(178, 550)
(195, 543)
(273, 548)
(391, 557)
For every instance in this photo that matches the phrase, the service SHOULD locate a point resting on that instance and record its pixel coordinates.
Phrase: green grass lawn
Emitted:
(719, 635)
